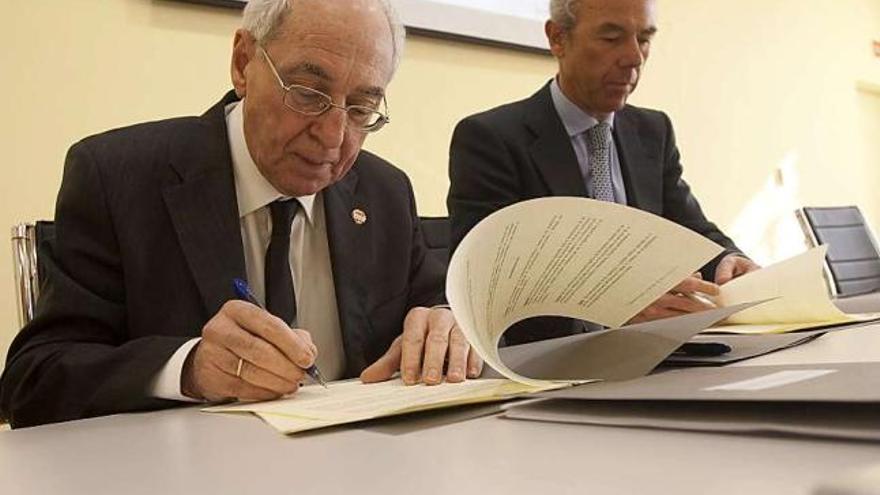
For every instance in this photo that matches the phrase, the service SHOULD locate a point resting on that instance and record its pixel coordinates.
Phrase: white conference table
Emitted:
(185, 451)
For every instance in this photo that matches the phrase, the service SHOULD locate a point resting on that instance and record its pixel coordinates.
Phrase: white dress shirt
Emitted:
(309, 259)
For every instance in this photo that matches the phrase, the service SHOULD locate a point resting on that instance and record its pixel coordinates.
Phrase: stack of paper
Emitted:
(797, 298)
(578, 258)
(345, 402)
(572, 257)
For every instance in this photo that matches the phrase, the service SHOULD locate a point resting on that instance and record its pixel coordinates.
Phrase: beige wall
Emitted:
(747, 83)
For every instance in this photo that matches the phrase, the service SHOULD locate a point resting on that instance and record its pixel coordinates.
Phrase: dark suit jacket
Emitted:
(147, 244)
(522, 151)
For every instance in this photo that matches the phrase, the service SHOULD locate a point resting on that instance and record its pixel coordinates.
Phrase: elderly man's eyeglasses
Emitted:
(311, 102)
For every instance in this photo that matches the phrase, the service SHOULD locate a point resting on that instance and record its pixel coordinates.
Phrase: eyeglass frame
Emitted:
(384, 118)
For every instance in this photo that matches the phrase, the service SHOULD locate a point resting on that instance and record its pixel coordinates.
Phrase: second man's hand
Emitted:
(431, 339)
(684, 298)
(733, 266)
(273, 358)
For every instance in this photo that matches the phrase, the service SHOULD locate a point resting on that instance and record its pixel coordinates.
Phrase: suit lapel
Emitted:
(203, 209)
(347, 241)
(551, 151)
(640, 177)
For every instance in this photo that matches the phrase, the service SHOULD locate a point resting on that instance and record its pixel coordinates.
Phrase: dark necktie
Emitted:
(280, 299)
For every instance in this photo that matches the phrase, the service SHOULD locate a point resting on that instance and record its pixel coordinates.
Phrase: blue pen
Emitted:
(243, 292)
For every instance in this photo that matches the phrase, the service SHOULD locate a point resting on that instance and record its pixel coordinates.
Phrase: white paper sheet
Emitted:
(350, 401)
(798, 298)
(573, 257)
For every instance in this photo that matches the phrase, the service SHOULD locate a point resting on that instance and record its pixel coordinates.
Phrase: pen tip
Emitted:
(317, 376)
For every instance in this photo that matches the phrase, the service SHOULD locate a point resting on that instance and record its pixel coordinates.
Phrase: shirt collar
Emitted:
(575, 120)
(252, 190)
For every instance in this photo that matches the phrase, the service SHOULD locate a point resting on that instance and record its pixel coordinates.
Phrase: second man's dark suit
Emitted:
(147, 244)
(522, 151)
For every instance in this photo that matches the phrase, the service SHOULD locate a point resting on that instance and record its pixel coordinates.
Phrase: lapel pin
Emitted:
(359, 216)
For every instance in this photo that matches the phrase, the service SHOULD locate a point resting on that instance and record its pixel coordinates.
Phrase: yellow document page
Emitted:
(798, 298)
(344, 402)
(574, 257)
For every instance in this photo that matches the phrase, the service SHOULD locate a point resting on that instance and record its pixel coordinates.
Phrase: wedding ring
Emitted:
(238, 368)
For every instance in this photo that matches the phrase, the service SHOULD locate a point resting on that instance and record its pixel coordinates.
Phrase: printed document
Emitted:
(572, 257)
(798, 298)
(585, 259)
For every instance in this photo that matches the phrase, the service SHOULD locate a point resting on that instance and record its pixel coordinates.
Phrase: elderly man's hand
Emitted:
(246, 353)
(684, 298)
(430, 338)
(732, 266)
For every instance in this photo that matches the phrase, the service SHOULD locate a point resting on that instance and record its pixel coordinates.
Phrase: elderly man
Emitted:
(578, 137)
(155, 221)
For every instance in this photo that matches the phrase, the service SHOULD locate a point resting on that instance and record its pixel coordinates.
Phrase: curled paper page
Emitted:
(798, 298)
(572, 257)
(617, 354)
(798, 290)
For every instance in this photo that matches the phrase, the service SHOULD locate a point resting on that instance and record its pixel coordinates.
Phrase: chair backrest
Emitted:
(852, 265)
(26, 265)
(436, 233)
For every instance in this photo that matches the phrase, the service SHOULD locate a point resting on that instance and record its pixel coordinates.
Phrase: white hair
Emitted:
(564, 12)
(262, 18)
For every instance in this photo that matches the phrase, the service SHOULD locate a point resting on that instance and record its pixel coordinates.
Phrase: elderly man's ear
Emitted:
(243, 51)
